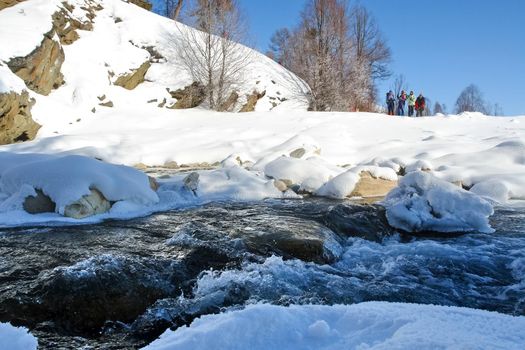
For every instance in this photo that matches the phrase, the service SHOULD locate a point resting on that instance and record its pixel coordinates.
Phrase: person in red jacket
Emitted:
(420, 105)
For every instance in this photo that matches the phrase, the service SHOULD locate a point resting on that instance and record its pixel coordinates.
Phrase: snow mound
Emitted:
(423, 202)
(309, 174)
(340, 186)
(16, 338)
(65, 179)
(371, 325)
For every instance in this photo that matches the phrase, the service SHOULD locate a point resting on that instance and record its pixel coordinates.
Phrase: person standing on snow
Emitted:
(401, 99)
(411, 103)
(420, 105)
(390, 102)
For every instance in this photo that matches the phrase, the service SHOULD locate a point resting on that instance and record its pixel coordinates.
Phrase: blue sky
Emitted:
(441, 46)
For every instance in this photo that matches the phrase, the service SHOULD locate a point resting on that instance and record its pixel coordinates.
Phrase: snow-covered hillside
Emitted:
(110, 57)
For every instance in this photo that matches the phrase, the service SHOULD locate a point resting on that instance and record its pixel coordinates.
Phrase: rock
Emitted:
(146, 5)
(89, 205)
(101, 98)
(162, 104)
(364, 221)
(140, 166)
(106, 104)
(370, 186)
(280, 185)
(153, 184)
(229, 104)
(41, 203)
(171, 165)
(189, 97)
(16, 123)
(191, 182)
(40, 70)
(8, 3)
(251, 101)
(131, 80)
(293, 238)
(298, 153)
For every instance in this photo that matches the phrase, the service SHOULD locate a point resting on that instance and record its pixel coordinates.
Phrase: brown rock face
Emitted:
(252, 101)
(189, 97)
(229, 104)
(40, 70)
(142, 3)
(132, 80)
(8, 3)
(16, 123)
(369, 186)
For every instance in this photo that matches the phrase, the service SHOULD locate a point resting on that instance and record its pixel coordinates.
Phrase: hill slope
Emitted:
(81, 58)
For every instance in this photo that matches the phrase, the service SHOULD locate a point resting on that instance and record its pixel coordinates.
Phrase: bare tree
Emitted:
(399, 85)
(370, 46)
(471, 100)
(279, 43)
(438, 108)
(211, 54)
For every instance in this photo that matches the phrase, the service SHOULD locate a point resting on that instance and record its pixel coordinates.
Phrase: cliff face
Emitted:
(16, 123)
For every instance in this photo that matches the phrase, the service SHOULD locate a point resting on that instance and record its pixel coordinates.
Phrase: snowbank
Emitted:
(372, 325)
(66, 179)
(16, 338)
(423, 202)
(9, 81)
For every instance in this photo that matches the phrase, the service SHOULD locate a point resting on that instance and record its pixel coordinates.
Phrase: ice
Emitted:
(16, 338)
(371, 325)
(423, 202)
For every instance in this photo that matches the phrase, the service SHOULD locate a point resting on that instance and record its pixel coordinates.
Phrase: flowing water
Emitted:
(119, 284)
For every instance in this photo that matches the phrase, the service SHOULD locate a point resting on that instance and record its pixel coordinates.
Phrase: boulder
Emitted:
(280, 185)
(191, 182)
(189, 97)
(89, 205)
(40, 203)
(251, 101)
(106, 104)
(298, 153)
(370, 186)
(16, 123)
(171, 165)
(40, 70)
(153, 184)
(354, 220)
(131, 80)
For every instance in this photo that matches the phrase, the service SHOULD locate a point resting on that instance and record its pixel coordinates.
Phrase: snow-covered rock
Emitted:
(67, 179)
(372, 325)
(16, 338)
(423, 202)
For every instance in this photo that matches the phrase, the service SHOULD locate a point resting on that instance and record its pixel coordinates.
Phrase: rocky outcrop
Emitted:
(131, 80)
(142, 3)
(16, 123)
(189, 97)
(251, 101)
(370, 186)
(8, 3)
(89, 205)
(40, 70)
(229, 104)
(66, 26)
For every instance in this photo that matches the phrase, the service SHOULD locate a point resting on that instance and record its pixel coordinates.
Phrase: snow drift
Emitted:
(372, 325)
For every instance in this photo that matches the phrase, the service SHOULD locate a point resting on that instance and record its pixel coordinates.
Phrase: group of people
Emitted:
(414, 104)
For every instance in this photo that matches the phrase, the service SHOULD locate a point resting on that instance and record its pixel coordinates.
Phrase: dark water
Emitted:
(120, 284)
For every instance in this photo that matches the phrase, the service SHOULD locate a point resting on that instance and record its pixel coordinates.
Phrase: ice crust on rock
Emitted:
(423, 202)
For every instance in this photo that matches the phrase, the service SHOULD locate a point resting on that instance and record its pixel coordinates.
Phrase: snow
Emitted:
(423, 202)
(16, 338)
(9, 81)
(370, 325)
(340, 186)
